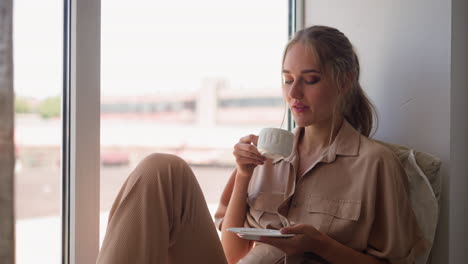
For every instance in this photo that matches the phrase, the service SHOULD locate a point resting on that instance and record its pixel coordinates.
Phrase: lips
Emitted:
(299, 107)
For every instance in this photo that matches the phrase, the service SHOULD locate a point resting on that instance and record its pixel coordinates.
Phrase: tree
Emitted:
(22, 105)
(50, 107)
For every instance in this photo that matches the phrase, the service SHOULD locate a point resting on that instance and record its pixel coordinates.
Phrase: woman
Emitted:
(344, 195)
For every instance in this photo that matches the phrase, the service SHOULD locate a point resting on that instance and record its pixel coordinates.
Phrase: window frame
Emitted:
(295, 23)
(81, 131)
(81, 125)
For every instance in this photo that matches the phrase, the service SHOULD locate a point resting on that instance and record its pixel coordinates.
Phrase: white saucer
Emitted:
(256, 233)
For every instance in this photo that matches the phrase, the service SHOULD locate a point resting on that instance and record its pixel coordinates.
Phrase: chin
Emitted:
(311, 122)
(302, 123)
(305, 119)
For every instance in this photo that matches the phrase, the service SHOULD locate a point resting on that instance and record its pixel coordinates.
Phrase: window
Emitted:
(188, 78)
(38, 27)
(183, 78)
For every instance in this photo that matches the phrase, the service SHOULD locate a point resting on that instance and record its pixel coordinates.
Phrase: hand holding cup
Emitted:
(247, 155)
(253, 150)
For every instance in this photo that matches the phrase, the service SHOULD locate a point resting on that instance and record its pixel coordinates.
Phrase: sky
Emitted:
(154, 46)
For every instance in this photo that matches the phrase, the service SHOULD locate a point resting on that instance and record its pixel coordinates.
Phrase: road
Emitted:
(37, 190)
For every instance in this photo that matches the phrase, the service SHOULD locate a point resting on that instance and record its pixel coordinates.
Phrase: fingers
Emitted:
(247, 147)
(307, 238)
(245, 157)
(295, 229)
(246, 153)
(249, 139)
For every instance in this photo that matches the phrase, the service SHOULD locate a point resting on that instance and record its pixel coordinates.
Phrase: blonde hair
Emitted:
(339, 63)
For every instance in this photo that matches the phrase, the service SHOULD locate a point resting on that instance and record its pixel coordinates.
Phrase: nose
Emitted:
(295, 90)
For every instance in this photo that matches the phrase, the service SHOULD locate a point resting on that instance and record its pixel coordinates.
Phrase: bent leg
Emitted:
(160, 216)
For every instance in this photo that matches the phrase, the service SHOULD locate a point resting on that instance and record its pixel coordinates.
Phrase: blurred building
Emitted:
(214, 104)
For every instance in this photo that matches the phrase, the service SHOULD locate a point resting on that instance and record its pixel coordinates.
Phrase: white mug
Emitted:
(275, 143)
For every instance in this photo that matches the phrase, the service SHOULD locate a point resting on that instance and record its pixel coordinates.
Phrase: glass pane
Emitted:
(38, 27)
(188, 78)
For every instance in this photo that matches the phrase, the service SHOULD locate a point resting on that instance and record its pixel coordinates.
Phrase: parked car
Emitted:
(115, 158)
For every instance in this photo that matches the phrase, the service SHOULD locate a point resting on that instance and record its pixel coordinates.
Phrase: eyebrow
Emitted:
(304, 71)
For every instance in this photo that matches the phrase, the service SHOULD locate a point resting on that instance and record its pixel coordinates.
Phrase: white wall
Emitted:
(405, 54)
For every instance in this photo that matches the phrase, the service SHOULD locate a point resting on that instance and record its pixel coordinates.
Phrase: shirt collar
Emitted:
(346, 143)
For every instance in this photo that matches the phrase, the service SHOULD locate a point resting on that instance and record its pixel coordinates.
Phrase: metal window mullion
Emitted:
(65, 153)
(300, 18)
(81, 124)
(295, 23)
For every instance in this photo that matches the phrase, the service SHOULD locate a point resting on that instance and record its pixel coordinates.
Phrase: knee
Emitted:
(161, 165)
(162, 161)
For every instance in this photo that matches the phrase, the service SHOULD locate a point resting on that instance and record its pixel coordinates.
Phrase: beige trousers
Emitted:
(160, 216)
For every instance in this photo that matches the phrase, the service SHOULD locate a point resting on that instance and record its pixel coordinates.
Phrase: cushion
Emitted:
(429, 164)
(422, 170)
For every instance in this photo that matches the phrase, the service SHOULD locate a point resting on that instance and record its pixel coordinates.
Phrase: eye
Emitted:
(288, 79)
(311, 81)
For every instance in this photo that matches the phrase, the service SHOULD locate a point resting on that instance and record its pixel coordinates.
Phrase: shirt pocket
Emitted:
(264, 205)
(336, 218)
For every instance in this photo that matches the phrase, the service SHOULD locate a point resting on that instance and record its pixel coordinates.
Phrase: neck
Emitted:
(317, 137)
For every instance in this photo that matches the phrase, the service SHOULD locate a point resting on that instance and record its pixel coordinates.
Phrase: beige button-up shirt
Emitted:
(356, 193)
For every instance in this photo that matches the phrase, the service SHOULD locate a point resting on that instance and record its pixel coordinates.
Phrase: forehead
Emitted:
(299, 57)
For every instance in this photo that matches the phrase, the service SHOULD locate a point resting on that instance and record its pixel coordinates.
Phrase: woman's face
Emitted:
(310, 96)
